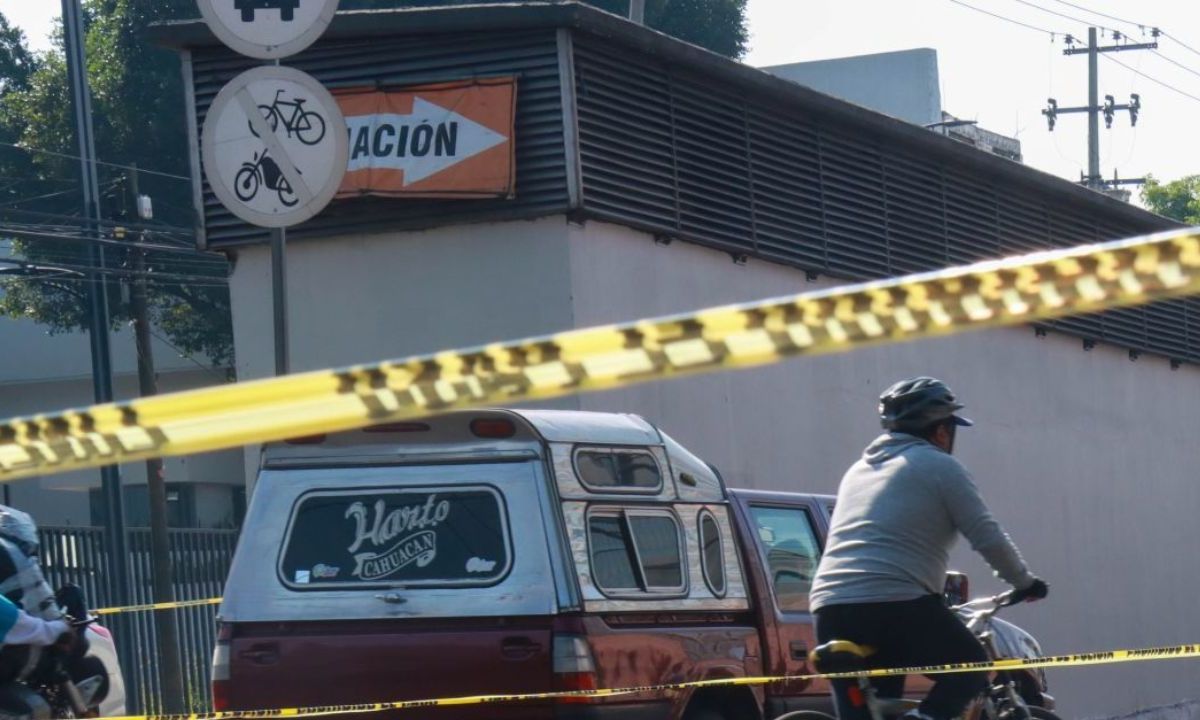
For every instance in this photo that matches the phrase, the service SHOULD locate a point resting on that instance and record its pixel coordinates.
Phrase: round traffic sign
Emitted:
(274, 146)
(268, 29)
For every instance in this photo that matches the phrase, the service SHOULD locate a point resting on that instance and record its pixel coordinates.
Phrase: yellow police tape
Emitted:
(1096, 658)
(151, 607)
(1006, 292)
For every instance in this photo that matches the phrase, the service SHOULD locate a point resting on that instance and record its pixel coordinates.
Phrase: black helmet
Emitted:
(915, 404)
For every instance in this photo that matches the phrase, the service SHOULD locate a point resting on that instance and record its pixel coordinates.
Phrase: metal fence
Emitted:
(199, 560)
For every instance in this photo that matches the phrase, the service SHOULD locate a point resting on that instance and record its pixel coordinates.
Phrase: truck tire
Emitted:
(805, 715)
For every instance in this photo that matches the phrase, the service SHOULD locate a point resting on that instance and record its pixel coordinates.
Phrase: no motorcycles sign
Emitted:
(274, 146)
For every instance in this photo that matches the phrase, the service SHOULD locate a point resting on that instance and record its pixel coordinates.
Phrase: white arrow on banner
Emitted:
(423, 143)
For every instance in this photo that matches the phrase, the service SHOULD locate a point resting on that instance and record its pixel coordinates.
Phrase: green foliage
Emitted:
(718, 25)
(138, 112)
(1179, 199)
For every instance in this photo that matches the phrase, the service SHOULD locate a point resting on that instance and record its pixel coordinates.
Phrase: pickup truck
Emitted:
(518, 551)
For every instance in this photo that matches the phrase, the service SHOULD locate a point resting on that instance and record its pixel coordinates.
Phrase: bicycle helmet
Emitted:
(915, 404)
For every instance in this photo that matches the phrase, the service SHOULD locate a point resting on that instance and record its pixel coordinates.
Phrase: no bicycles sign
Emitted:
(274, 143)
(274, 146)
(268, 29)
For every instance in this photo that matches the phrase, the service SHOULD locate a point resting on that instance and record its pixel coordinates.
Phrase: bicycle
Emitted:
(307, 125)
(1003, 700)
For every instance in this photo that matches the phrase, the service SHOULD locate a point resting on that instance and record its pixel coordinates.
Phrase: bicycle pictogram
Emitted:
(286, 8)
(263, 170)
(308, 126)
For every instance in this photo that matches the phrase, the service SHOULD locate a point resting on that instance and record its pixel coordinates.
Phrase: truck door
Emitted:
(786, 539)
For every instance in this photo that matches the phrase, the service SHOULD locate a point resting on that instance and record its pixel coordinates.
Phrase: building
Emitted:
(652, 177)
(904, 84)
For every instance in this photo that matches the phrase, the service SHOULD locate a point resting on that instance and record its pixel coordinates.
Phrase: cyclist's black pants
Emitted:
(912, 632)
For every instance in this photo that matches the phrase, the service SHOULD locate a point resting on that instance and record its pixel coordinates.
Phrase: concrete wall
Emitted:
(1089, 459)
(1086, 456)
(367, 298)
(41, 372)
(903, 84)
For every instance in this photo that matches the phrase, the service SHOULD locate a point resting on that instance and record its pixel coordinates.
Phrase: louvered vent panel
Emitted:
(531, 56)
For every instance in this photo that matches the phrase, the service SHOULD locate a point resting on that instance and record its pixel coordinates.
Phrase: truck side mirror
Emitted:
(956, 591)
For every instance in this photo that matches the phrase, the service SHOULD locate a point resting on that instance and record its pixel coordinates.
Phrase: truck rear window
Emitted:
(618, 469)
(409, 537)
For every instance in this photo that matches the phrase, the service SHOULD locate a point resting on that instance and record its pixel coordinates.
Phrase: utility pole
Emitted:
(110, 475)
(170, 666)
(1094, 109)
(97, 287)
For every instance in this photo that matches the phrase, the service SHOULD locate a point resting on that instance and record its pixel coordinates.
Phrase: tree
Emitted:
(1179, 199)
(718, 25)
(139, 116)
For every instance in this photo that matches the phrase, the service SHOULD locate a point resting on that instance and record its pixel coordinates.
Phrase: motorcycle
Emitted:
(59, 681)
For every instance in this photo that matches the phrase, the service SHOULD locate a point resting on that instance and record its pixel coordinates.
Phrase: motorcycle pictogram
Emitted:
(286, 8)
(306, 125)
(263, 171)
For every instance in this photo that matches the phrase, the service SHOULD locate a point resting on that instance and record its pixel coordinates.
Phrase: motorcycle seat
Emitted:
(838, 656)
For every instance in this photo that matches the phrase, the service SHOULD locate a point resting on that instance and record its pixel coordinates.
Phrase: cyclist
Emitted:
(899, 511)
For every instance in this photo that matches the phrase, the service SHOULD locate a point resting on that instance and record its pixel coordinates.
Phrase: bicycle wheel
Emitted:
(269, 114)
(245, 184)
(310, 128)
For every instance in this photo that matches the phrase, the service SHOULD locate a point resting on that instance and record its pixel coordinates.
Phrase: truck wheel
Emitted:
(805, 715)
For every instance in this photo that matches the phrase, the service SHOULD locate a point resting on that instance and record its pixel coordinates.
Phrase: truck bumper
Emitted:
(624, 711)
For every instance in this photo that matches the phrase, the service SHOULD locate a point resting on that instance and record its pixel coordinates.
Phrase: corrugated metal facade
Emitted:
(668, 146)
(673, 152)
(531, 56)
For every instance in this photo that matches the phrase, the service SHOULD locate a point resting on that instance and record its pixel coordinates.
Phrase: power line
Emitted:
(98, 162)
(1035, 6)
(59, 193)
(188, 357)
(85, 270)
(1152, 79)
(1176, 63)
(1051, 33)
(43, 235)
(1139, 25)
(1180, 43)
(73, 221)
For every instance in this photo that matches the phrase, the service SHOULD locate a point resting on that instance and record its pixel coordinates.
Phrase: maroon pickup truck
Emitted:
(517, 551)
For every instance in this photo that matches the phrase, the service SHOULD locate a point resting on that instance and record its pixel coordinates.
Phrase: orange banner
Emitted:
(451, 140)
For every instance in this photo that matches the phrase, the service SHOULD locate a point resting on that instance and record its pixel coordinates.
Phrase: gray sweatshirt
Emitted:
(899, 512)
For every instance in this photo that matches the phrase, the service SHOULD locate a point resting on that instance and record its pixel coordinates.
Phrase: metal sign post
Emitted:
(281, 136)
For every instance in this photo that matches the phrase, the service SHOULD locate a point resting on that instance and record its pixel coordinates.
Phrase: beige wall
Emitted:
(62, 499)
(1087, 457)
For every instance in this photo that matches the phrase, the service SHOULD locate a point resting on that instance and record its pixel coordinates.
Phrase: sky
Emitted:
(991, 70)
